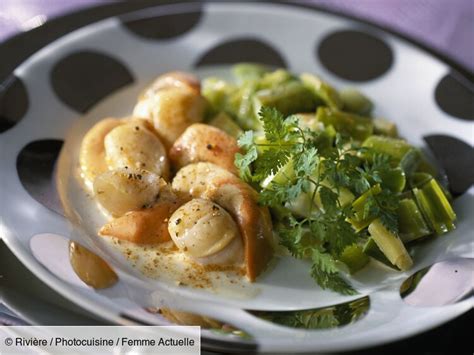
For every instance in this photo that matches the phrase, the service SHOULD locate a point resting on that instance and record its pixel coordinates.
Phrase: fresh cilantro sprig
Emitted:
(319, 171)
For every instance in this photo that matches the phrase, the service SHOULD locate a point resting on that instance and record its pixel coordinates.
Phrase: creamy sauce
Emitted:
(165, 263)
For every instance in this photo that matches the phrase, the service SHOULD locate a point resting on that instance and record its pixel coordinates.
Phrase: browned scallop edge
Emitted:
(35, 166)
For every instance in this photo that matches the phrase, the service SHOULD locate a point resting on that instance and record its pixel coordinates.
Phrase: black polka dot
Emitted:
(242, 50)
(455, 97)
(82, 79)
(164, 25)
(355, 55)
(13, 102)
(35, 165)
(457, 159)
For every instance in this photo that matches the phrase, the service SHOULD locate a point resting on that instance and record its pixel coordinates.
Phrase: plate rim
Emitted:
(452, 64)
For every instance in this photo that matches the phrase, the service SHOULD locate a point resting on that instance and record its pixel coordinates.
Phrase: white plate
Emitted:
(99, 70)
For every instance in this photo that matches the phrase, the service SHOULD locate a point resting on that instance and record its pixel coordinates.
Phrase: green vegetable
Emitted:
(362, 217)
(371, 249)
(244, 72)
(240, 105)
(411, 223)
(385, 127)
(394, 179)
(288, 98)
(289, 168)
(391, 245)
(435, 206)
(322, 90)
(223, 121)
(419, 179)
(275, 79)
(395, 148)
(355, 126)
(217, 93)
(330, 177)
(308, 120)
(354, 101)
(410, 161)
(354, 257)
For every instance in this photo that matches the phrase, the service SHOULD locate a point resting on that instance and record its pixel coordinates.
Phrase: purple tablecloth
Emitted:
(446, 25)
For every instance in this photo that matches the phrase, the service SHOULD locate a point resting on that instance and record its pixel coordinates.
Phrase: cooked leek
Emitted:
(435, 206)
(391, 245)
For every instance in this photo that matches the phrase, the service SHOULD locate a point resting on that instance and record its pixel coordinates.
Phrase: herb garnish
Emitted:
(319, 164)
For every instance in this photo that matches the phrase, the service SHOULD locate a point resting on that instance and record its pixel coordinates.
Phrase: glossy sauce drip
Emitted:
(91, 268)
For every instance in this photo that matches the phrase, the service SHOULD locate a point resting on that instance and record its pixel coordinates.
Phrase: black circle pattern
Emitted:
(35, 165)
(355, 55)
(455, 97)
(82, 79)
(163, 25)
(456, 158)
(242, 50)
(13, 102)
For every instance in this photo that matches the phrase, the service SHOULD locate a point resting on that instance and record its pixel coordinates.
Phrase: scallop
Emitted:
(194, 180)
(148, 225)
(211, 182)
(204, 143)
(135, 145)
(122, 190)
(92, 152)
(202, 229)
(177, 79)
(172, 110)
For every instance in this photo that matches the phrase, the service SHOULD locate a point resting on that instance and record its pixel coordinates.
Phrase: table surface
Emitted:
(445, 25)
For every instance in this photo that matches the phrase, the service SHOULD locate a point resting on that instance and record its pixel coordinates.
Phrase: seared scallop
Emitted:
(172, 110)
(92, 152)
(176, 79)
(204, 143)
(202, 229)
(135, 145)
(123, 190)
(209, 181)
(194, 179)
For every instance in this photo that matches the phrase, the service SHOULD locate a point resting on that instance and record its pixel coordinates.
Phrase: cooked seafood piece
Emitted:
(92, 152)
(136, 146)
(123, 190)
(203, 143)
(194, 179)
(208, 181)
(148, 225)
(172, 110)
(177, 79)
(202, 229)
